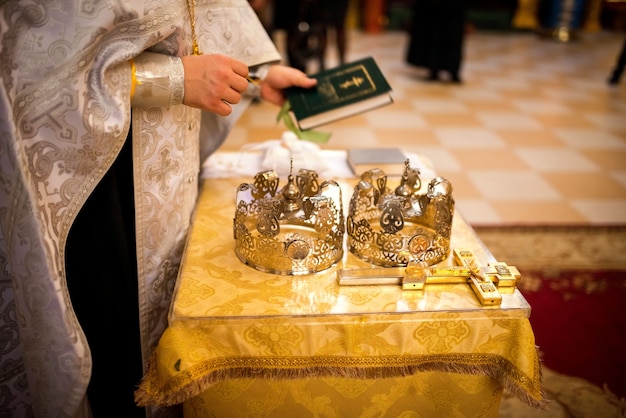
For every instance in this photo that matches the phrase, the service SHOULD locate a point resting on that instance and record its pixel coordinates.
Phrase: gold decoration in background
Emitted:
(592, 21)
(297, 230)
(391, 228)
(526, 15)
(564, 30)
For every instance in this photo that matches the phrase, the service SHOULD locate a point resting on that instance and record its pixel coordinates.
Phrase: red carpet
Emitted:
(579, 320)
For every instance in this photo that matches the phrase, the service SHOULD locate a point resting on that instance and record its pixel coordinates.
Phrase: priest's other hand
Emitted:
(213, 82)
(280, 77)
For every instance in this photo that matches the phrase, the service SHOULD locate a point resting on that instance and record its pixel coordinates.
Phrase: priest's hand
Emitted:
(213, 82)
(280, 77)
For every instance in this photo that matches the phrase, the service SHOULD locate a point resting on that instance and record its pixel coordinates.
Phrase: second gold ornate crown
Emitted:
(296, 230)
(390, 228)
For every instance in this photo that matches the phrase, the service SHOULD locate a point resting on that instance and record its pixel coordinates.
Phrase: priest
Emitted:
(108, 108)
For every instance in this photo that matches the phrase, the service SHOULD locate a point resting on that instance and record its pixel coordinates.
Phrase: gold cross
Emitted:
(484, 280)
(500, 273)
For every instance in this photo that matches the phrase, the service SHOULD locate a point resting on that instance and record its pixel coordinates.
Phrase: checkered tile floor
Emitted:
(534, 135)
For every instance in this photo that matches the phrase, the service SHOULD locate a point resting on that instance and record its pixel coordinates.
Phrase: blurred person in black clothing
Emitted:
(302, 20)
(619, 67)
(436, 37)
(334, 14)
(307, 23)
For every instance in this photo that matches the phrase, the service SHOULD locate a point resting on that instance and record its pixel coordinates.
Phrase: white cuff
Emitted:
(159, 80)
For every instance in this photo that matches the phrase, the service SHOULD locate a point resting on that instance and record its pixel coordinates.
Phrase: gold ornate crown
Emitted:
(297, 230)
(390, 229)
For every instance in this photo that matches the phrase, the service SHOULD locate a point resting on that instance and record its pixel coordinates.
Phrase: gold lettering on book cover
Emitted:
(353, 85)
(353, 82)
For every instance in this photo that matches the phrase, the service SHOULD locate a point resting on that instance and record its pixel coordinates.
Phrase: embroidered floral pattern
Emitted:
(274, 339)
(441, 336)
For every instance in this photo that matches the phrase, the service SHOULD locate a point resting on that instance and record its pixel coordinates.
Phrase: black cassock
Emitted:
(102, 281)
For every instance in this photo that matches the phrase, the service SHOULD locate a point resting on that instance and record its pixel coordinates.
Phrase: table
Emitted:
(245, 343)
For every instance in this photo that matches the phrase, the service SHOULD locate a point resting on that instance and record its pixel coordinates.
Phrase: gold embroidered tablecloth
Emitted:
(246, 343)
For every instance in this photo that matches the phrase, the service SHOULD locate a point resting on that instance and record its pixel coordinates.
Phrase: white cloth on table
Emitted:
(276, 154)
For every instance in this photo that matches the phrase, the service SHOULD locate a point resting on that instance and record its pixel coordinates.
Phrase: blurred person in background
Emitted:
(437, 37)
(334, 16)
(302, 21)
(307, 24)
(616, 74)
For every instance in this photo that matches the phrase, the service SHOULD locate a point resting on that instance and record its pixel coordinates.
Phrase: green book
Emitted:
(340, 92)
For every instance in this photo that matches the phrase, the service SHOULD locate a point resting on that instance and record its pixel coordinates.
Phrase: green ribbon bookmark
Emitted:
(308, 135)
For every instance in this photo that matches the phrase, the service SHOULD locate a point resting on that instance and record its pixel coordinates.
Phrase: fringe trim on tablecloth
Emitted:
(195, 380)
